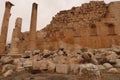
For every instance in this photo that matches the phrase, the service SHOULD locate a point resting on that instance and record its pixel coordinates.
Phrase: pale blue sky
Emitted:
(46, 10)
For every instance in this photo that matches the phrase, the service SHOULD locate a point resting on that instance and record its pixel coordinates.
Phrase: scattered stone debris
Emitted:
(58, 62)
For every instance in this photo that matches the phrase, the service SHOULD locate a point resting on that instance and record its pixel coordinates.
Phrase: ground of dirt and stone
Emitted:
(51, 76)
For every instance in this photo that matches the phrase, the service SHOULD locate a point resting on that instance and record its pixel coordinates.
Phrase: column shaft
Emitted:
(33, 33)
(15, 47)
(4, 29)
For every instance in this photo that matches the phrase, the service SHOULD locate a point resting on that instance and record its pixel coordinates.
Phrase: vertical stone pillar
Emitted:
(33, 33)
(4, 29)
(16, 37)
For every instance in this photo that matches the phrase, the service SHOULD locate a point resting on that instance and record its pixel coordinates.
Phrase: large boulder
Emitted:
(117, 65)
(19, 64)
(7, 67)
(100, 56)
(89, 69)
(27, 63)
(86, 56)
(101, 67)
(8, 73)
(62, 68)
(6, 60)
(107, 65)
(42, 64)
(113, 70)
(112, 56)
(117, 60)
(89, 58)
(116, 50)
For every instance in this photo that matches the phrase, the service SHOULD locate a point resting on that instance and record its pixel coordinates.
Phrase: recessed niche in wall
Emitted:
(111, 28)
(93, 30)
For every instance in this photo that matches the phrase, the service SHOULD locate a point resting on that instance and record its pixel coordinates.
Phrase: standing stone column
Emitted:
(16, 37)
(4, 29)
(33, 33)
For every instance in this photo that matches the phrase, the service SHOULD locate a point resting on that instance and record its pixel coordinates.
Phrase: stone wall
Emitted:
(94, 25)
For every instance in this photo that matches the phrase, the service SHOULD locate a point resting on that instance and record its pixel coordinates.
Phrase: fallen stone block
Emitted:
(27, 63)
(62, 68)
(6, 60)
(51, 66)
(8, 73)
(74, 68)
(89, 69)
(42, 65)
(7, 67)
(101, 67)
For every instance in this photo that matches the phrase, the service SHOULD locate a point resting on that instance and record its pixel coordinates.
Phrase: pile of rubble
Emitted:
(79, 62)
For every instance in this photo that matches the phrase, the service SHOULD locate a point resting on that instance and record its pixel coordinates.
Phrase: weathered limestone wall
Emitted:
(4, 29)
(94, 25)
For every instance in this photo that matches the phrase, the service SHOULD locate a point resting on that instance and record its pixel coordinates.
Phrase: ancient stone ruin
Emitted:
(93, 25)
(83, 41)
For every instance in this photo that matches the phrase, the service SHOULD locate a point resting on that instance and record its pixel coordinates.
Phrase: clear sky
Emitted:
(46, 10)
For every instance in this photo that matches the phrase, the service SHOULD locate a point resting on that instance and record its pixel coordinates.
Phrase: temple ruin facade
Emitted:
(93, 25)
